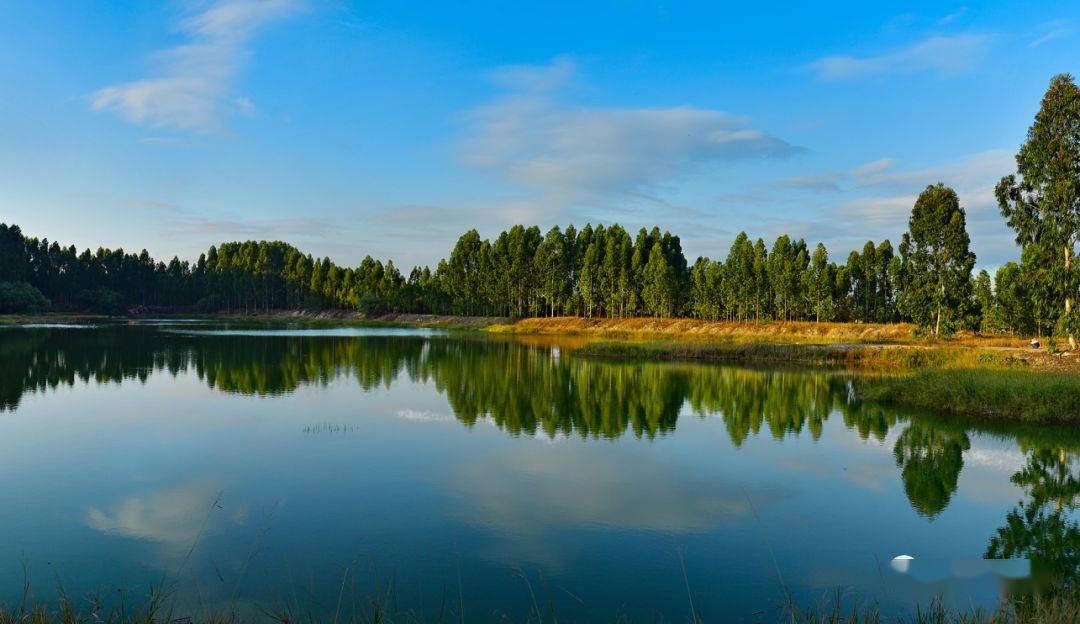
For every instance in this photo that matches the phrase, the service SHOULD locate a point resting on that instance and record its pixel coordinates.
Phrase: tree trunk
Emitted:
(1068, 296)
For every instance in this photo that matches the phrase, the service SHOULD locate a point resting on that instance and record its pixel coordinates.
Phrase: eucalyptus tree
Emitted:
(1012, 301)
(760, 277)
(939, 286)
(13, 264)
(463, 272)
(1041, 201)
(706, 289)
(739, 275)
(983, 311)
(820, 280)
(553, 269)
(659, 284)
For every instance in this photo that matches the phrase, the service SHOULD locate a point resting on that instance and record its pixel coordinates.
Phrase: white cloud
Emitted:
(191, 87)
(565, 153)
(176, 516)
(942, 54)
(536, 78)
(874, 200)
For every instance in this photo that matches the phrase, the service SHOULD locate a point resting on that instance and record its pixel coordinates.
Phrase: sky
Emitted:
(389, 128)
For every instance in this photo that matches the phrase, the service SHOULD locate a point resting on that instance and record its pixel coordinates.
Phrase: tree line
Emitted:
(604, 271)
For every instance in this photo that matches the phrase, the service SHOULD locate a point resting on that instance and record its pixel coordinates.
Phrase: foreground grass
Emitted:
(1011, 394)
(1061, 608)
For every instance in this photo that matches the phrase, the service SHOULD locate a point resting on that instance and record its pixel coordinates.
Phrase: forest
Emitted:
(597, 270)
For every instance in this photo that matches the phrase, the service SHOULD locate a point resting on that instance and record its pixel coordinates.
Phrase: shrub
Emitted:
(101, 300)
(372, 305)
(21, 297)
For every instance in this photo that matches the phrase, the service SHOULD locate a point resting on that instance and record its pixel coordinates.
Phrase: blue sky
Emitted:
(388, 128)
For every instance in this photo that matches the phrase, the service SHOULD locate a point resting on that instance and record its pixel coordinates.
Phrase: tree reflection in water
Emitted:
(1042, 527)
(527, 390)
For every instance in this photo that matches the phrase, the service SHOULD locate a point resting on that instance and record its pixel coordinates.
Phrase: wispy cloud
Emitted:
(942, 54)
(1056, 30)
(564, 153)
(190, 89)
(252, 228)
(952, 17)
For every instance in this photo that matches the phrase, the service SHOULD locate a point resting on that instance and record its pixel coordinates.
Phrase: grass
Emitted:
(1063, 607)
(1037, 396)
(1058, 609)
(789, 332)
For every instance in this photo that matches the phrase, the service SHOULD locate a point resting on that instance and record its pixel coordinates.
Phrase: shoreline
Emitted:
(986, 377)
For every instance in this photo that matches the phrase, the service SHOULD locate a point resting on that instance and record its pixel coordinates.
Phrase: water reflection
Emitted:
(175, 516)
(525, 390)
(931, 459)
(1042, 527)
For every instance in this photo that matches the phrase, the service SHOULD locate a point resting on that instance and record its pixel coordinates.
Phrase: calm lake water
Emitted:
(318, 470)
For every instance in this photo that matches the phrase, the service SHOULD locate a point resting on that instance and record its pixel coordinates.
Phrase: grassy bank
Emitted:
(1038, 396)
(793, 332)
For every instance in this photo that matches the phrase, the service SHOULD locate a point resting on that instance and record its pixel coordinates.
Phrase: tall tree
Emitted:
(659, 284)
(941, 259)
(12, 254)
(1012, 302)
(983, 310)
(553, 269)
(1041, 202)
(819, 285)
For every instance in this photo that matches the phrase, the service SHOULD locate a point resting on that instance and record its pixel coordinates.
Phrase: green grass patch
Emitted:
(1037, 396)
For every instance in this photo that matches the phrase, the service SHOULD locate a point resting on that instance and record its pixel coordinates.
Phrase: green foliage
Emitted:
(13, 266)
(21, 297)
(371, 304)
(1012, 309)
(101, 300)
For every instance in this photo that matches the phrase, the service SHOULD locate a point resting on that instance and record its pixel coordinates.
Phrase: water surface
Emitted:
(248, 466)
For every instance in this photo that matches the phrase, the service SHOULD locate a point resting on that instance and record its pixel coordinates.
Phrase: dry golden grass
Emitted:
(794, 332)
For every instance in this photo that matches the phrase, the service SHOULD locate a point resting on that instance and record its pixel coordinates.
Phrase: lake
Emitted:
(330, 470)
